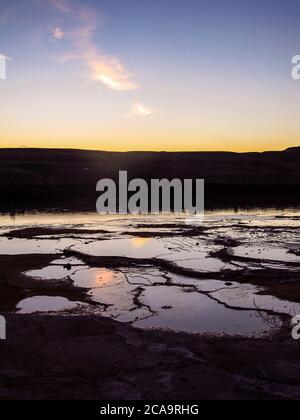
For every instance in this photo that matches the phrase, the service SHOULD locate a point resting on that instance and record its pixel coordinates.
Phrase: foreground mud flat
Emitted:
(231, 274)
(232, 281)
(86, 357)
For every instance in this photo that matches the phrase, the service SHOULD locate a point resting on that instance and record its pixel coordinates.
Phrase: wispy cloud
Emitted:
(5, 57)
(61, 5)
(58, 33)
(103, 68)
(141, 110)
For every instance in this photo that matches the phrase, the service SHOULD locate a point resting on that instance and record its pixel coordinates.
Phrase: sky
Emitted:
(162, 75)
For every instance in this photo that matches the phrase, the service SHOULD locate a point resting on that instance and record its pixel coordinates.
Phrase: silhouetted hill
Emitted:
(293, 150)
(67, 178)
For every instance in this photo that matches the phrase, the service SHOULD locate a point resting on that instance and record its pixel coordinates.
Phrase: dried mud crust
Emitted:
(161, 230)
(96, 358)
(281, 280)
(53, 233)
(280, 283)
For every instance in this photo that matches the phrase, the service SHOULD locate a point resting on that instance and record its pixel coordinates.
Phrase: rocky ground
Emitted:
(67, 357)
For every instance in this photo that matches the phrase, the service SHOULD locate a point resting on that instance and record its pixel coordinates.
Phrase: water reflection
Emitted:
(149, 294)
(45, 304)
(96, 277)
(140, 242)
(196, 313)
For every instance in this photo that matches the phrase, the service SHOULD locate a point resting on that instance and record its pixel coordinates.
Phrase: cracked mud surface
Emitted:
(226, 275)
(233, 277)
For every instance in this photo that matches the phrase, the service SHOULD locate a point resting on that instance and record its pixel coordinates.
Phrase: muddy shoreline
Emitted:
(94, 358)
(135, 291)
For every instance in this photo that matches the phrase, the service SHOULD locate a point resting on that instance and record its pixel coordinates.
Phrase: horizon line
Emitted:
(147, 151)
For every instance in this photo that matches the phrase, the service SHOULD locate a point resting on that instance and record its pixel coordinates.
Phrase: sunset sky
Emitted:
(150, 74)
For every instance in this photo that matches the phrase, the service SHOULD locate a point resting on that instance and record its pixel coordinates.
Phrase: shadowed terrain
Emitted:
(96, 358)
(40, 178)
(203, 310)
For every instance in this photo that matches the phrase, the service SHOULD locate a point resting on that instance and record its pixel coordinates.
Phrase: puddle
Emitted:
(245, 296)
(52, 272)
(178, 250)
(208, 265)
(45, 304)
(119, 298)
(150, 297)
(94, 278)
(130, 248)
(26, 246)
(264, 253)
(197, 313)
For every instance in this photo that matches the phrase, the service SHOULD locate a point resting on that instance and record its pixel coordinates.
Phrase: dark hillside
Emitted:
(38, 178)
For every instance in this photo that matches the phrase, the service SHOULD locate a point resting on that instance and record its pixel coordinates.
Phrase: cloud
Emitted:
(103, 68)
(110, 71)
(5, 57)
(58, 33)
(61, 5)
(141, 110)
